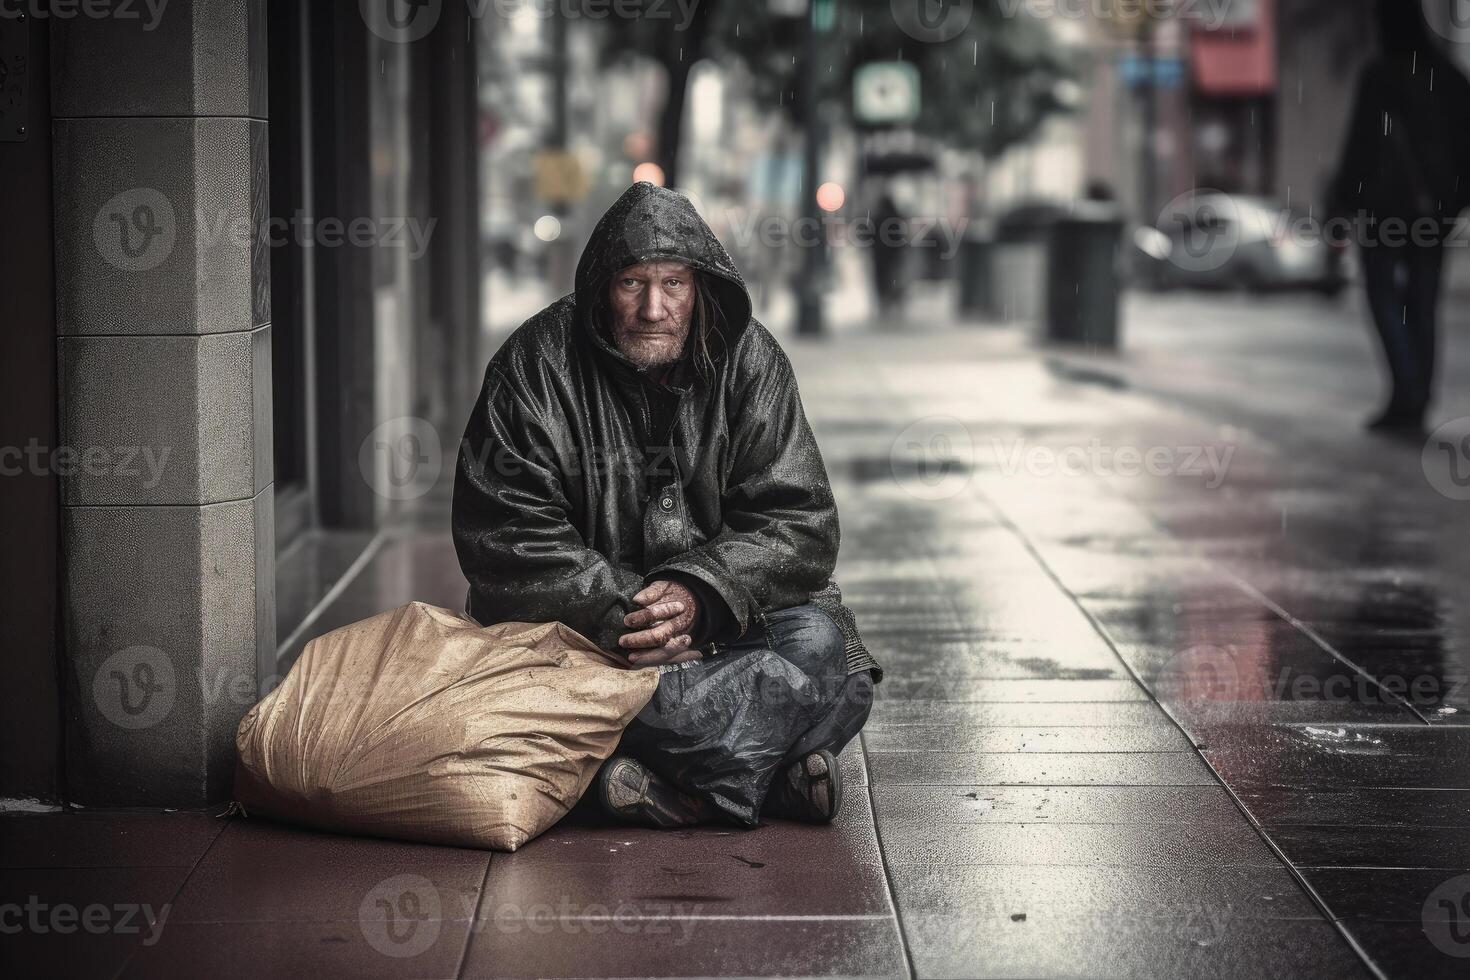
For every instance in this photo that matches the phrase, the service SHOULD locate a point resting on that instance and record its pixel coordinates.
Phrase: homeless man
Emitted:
(639, 467)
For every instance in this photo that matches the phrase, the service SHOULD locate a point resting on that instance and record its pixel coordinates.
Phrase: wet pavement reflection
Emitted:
(1248, 613)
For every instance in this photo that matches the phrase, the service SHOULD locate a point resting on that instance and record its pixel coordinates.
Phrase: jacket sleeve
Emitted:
(524, 559)
(779, 536)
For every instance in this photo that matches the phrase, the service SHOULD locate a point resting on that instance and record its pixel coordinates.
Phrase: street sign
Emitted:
(824, 15)
(1161, 73)
(886, 92)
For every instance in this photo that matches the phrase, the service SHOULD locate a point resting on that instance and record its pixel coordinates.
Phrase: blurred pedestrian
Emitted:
(1399, 176)
(1099, 191)
(890, 244)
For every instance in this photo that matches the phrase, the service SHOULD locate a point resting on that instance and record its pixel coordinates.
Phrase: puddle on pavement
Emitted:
(1344, 741)
(1050, 669)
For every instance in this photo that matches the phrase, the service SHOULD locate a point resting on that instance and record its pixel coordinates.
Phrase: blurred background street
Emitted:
(1091, 305)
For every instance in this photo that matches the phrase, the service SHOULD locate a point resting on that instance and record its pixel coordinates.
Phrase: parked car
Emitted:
(1213, 240)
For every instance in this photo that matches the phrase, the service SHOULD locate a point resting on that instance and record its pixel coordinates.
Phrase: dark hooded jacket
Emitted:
(581, 478)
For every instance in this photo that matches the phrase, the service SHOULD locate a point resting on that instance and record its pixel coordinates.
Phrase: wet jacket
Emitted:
(581, 478)
(1408, 140)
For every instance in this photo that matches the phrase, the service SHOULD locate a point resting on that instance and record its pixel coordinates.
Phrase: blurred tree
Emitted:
(985, 86)
(677, 40)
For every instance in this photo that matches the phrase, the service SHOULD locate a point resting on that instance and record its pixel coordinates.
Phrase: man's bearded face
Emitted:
(652, 304)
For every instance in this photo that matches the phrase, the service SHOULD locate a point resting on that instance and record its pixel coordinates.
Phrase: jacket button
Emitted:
(667, 503)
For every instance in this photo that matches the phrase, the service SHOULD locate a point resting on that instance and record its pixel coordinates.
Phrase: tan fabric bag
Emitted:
(420, 724)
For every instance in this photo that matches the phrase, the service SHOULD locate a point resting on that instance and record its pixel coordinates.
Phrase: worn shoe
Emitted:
(630, 791)
(809, 790)
(1393, 422)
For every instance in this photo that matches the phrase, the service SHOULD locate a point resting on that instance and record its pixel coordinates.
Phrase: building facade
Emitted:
(247, 237)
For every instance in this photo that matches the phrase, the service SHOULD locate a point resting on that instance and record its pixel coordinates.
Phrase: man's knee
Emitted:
(845, 717)
(809, 638)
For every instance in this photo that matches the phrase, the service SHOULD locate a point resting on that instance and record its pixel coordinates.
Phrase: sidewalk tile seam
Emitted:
(990, 752)
(127, 960)
(1302, 881)
(1451, 869)
(886, 784)
(464, 952)
(1306, 630)
(889, 890)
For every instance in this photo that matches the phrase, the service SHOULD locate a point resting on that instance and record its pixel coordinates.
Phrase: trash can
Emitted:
(976, 296)
(1018, 265)
(1082, 276)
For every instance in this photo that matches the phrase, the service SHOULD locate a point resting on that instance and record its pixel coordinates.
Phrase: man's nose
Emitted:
(653, 309)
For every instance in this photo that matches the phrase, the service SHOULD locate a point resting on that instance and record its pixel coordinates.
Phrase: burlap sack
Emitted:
(419, 724)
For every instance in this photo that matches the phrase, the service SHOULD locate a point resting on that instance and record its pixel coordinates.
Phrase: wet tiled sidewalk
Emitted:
(1294, 617)
(1134, 726)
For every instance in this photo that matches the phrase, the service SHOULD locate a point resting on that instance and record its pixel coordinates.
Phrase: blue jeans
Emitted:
(722, 727)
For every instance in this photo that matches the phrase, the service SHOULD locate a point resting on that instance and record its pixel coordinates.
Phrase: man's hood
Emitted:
(649, 223)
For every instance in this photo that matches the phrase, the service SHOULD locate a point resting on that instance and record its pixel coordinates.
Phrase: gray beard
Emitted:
(644, 359)
(644, 363)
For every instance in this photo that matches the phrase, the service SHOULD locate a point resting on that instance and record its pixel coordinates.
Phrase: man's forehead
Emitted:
(654, 270)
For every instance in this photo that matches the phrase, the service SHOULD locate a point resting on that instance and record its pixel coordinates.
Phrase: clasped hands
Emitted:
(661, 626)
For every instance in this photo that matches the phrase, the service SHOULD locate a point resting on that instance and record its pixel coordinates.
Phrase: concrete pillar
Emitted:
(454, 252)
(30, 715)
(163, 309)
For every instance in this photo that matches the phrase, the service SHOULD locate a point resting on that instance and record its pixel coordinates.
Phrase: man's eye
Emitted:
(674, 283)
(629, 283)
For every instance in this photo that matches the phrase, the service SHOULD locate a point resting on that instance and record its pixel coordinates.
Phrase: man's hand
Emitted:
(662, 626)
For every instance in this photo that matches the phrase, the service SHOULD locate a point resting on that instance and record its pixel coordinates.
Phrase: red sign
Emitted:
(1237, 56)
